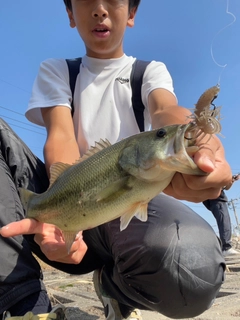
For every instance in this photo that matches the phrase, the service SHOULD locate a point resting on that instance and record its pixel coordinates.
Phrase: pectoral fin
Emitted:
(118, 186)
(139, 211)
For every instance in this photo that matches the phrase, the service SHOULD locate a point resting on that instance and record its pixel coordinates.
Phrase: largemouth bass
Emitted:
(112, 181)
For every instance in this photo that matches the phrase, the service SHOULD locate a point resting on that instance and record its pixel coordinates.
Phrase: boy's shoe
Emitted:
(135, 315)
(57, 313)
(111, 306)
(231, 252)
(59, 310)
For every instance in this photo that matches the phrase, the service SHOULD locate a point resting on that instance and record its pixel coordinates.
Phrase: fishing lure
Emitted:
(206, 119)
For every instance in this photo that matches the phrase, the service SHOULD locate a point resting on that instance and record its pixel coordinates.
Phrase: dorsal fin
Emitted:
(56, 169)
(102, 144)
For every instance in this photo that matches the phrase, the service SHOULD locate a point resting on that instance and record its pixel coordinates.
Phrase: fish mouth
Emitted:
(185, 149)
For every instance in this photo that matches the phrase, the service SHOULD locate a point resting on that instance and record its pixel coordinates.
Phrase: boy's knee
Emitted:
(180, 273)
(189, 289)
(190, 274)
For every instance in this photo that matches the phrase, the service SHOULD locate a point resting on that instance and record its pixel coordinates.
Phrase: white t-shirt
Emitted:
(102, 101)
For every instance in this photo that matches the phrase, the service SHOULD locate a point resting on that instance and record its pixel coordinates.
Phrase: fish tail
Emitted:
(25, 196)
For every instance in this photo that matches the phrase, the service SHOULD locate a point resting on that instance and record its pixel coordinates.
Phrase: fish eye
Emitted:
(161, 133)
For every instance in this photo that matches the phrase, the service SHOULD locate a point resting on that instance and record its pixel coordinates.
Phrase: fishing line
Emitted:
(219, 32)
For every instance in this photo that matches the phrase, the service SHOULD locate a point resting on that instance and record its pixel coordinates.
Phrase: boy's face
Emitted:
(101, 24)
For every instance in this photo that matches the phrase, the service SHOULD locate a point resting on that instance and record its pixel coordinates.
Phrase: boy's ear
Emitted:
(71, 18)
(131, 17)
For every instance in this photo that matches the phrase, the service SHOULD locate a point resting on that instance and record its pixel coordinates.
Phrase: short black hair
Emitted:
(132, 4)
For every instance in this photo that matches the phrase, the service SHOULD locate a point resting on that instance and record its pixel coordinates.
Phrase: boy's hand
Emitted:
(50, 240)
(210, 158)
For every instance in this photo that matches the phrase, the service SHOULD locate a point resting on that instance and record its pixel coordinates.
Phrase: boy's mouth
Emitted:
(101, 28)
(101, 31)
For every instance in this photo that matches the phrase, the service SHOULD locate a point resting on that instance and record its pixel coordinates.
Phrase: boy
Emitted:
(172, 263)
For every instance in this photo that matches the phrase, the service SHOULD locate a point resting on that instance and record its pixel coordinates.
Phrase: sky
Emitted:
(194, 38)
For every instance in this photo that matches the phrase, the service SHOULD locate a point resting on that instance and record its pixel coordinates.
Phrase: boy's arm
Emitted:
(164, 109)
(210, 157)
(61, 144)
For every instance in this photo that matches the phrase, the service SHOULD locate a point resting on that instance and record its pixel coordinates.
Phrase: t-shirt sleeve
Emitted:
(50, 88)
(156, 76)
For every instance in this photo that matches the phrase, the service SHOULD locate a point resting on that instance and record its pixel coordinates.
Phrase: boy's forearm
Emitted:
(60, 151)
(61, 144)
(164, 109)
(170, 115)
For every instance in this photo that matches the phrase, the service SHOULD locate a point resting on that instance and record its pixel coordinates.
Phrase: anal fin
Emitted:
(69, 238)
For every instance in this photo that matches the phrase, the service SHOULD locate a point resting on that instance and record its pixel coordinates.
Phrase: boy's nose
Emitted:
(100, 11)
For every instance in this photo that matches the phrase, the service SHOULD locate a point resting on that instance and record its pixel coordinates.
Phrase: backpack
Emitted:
(136, 77)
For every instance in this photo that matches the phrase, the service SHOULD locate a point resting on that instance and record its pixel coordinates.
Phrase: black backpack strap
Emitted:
(136, 78)
(73, 68)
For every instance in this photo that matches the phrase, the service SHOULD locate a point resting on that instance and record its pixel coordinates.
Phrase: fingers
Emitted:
(55, 248)
(191, 188)
(50, 240)
(200, 188)
(25, 226)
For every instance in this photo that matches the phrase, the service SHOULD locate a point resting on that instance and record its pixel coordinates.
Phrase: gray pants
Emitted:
(20, 273)
(171, 264)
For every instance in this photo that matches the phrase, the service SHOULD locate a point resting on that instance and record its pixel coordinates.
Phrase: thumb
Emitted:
(204, 162)
(205, 157)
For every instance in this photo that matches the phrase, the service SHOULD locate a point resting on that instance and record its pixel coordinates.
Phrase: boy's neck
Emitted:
(111, 58)
(115, 54)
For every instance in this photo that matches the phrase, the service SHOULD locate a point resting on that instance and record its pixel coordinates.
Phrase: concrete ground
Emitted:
(78, 296)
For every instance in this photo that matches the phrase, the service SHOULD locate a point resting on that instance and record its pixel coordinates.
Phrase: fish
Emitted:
(112, 181)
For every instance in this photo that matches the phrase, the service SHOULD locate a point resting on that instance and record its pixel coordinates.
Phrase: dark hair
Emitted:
(132, 4)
